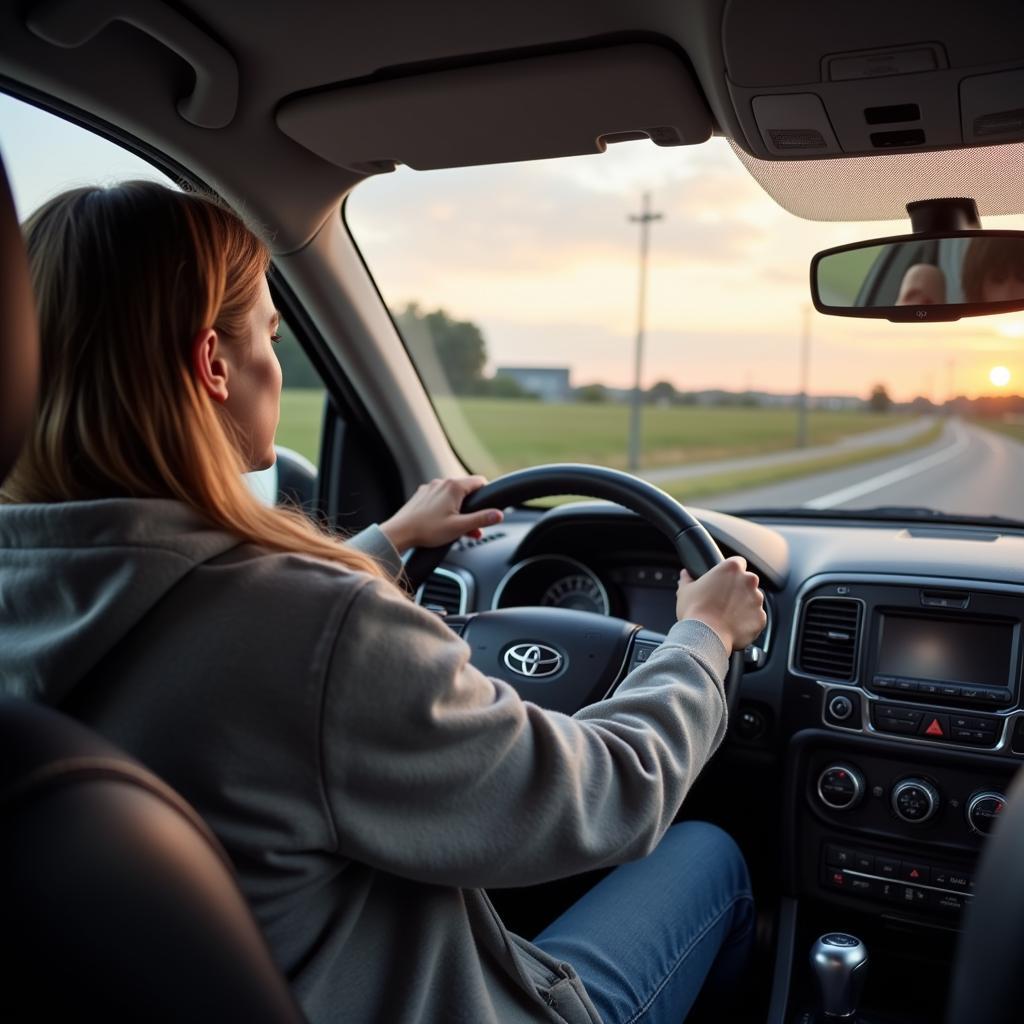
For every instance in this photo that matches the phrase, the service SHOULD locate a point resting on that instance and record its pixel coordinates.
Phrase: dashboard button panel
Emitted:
(994, 696)
(938, 726)
(915, 885)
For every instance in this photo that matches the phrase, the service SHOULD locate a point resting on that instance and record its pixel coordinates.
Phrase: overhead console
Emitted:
(907, 82)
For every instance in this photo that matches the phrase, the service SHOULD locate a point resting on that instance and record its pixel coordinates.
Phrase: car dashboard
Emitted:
(879, 722)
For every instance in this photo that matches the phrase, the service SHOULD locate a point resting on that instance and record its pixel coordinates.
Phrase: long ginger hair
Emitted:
(124, 279)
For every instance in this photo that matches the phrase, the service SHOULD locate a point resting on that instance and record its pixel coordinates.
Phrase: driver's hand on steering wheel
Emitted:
(725, 598)
(431, 517)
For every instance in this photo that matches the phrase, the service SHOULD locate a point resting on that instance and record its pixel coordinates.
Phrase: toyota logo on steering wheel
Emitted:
(535, 661)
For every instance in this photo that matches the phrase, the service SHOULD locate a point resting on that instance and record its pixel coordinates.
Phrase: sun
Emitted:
(999, 376)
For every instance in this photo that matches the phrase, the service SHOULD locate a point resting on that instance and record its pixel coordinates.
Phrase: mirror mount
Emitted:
(947, 269)
(935, 216)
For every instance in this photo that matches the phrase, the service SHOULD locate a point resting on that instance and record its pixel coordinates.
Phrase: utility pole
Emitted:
(644, 220)
(805, 364)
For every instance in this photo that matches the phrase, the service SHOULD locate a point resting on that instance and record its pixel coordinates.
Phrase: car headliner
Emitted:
(125, 78)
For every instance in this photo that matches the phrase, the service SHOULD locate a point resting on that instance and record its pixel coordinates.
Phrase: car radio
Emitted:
(967, 661)
(921, 644)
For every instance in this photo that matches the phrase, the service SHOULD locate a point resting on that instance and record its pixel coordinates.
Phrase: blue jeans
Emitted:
(646, 937)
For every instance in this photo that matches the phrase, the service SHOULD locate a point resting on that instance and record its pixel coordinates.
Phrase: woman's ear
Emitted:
(209, 366)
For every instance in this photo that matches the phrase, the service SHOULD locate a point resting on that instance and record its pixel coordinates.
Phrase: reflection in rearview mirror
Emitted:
(922, 277)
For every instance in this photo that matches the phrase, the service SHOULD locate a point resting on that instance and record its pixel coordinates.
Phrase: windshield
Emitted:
(517, 290)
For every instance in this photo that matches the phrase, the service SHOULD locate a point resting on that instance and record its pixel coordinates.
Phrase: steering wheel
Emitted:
(556, 657)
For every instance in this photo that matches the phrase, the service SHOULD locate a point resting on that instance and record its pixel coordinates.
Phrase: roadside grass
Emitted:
(1010, 428)
(741, 480)
(721, 484)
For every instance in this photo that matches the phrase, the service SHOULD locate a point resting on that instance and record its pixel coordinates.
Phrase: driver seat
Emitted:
(118, 902)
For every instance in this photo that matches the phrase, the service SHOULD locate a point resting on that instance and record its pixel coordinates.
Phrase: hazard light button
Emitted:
(935, 727)
(914, 872)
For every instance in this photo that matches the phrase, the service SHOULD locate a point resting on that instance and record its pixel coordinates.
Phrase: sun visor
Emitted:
(527, 108)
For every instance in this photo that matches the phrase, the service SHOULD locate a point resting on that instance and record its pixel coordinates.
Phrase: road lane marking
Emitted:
(894, 476)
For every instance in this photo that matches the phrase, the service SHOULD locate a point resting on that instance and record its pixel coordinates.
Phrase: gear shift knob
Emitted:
(840, 963)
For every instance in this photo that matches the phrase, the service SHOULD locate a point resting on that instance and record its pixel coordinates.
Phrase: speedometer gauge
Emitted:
(579, 591)
(556, 581)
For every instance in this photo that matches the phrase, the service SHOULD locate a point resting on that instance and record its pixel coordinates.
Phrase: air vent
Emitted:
(443, 589)
(828, 640)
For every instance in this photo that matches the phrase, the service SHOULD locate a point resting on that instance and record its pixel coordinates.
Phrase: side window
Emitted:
(294, 477)
(302, 399)
(44, 155)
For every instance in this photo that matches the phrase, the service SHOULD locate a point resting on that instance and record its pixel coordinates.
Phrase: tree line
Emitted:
(433, 338)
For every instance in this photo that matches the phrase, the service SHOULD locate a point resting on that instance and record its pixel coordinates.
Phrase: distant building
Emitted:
(548, 383)
(836, 403)
(768, 399)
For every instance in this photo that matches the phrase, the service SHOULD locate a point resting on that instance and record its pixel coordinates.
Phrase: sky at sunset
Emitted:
(543, 258)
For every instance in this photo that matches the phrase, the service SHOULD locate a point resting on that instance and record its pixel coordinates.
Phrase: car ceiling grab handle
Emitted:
(213, 100)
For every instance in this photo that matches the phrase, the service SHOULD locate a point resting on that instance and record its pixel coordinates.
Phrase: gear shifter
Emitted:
(840, 963)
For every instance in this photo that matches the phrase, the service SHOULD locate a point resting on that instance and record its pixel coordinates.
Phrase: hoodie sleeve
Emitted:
(373, 541)
(440, 774)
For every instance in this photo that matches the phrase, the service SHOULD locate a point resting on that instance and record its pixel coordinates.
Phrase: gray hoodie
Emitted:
(366, 780)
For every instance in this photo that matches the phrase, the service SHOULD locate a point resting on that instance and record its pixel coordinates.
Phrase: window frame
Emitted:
(347, 430)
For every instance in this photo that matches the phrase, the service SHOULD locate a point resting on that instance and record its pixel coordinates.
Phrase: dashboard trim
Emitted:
(770, 612)
(512, 570)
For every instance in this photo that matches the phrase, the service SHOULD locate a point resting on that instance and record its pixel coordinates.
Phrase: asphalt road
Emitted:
(967, 471)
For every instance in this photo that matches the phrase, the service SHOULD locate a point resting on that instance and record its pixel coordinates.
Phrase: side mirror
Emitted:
(926, 277)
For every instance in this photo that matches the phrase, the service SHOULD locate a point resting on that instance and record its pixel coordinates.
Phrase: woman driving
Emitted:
(366, 780)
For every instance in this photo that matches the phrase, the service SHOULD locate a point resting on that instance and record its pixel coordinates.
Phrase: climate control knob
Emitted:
(840, 787)
(915, 800)
(983, 810)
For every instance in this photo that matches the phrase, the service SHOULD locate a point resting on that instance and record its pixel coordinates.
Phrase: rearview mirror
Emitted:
(922, 277)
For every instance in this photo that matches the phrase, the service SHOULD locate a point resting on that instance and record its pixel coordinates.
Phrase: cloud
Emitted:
(784, 275)
(547, 214)
(544, 257)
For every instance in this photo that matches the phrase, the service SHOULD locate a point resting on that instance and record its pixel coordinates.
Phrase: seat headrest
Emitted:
(19, 334)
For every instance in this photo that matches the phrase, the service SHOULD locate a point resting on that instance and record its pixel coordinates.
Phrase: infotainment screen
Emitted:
(945, 650)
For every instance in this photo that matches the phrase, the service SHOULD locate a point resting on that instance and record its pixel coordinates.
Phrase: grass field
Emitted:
(302, 413)
(516, 433)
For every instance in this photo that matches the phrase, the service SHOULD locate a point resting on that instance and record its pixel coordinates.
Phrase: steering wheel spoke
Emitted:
(642, 644)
